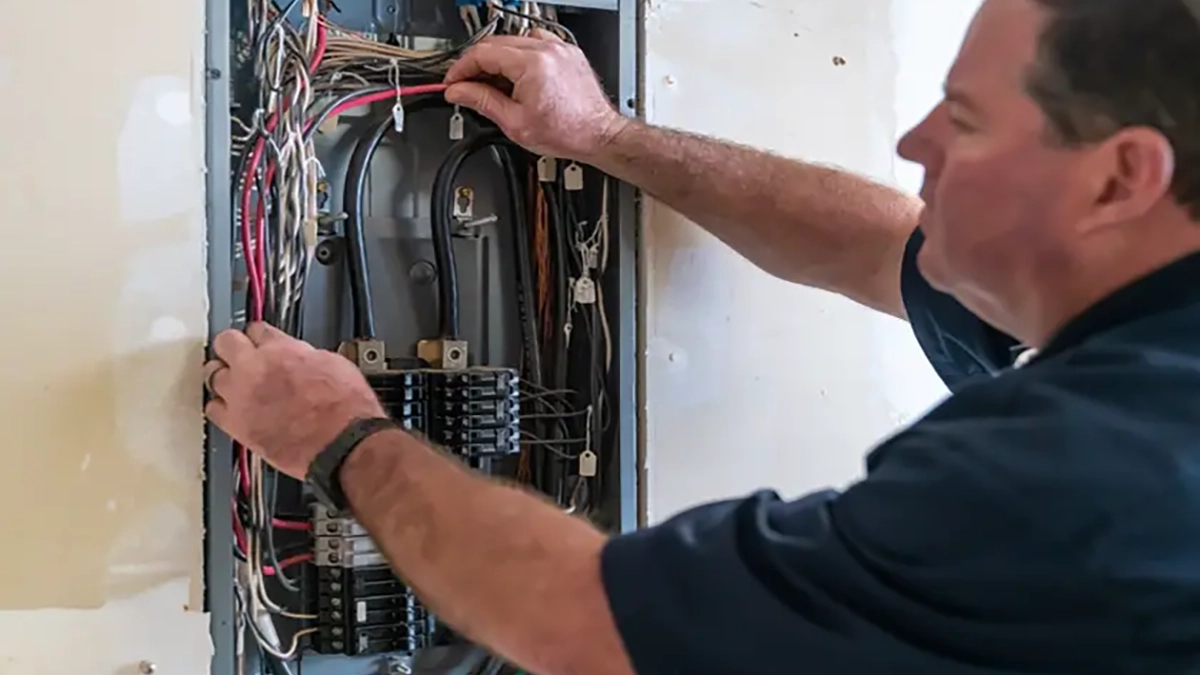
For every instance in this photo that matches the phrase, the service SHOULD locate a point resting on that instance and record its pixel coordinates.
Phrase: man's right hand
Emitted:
(557, 106)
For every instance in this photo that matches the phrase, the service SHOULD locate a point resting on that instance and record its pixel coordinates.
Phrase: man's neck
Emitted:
(1073, 289)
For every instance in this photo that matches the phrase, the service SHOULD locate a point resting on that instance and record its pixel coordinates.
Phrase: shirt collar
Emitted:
(1175, 286)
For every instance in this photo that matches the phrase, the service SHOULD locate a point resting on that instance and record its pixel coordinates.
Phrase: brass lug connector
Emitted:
(443, 354)
(368, 355)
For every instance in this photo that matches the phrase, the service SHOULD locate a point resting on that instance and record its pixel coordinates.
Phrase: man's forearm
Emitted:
(805, 223)
(503, 567)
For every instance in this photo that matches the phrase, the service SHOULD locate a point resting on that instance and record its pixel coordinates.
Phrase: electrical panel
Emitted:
(487, 295)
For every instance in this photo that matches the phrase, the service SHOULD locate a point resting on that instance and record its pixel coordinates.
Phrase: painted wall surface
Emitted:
(104, 325)
(752, 382)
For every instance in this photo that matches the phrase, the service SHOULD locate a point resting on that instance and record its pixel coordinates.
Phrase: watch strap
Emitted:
(324, 472)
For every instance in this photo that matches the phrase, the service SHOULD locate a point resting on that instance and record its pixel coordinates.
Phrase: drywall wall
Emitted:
(104, 325)
(749, 381)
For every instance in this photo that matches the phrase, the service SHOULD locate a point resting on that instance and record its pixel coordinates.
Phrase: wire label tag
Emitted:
(456, 125)
(547, 169)
(587, 464)
(573, 177)
(585, 291)
(398, 116)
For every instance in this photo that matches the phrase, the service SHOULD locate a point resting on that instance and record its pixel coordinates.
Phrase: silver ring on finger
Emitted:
(212, 374)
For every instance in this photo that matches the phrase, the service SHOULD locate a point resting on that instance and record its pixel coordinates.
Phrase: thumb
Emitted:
(487, 101)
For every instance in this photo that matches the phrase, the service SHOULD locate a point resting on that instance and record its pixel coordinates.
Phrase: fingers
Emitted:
(232, 346)
(487, 101)
(491, 58)
(261, 333)
(543, 34)
(216, 377)
(218, 413)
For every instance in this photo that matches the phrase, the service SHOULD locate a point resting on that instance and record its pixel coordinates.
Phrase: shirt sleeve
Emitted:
(949, 557)
(958, 344)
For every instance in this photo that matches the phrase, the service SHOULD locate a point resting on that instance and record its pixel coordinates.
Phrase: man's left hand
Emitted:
(281, 397)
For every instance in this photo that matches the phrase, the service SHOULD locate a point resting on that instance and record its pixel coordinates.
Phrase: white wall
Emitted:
(104, 321)
(752, 382)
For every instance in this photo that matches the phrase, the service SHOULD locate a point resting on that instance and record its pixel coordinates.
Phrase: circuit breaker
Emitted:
(487, 295)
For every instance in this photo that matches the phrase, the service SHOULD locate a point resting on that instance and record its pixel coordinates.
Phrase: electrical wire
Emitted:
(354, 205)
(308, 71)
(441, 209)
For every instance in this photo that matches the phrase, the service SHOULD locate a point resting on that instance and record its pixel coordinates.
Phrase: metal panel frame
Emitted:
(224, 298)
(218, 559)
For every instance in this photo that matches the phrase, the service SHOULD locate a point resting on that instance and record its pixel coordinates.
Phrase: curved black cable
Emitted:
(441, 208)
(526, 306)
(354, 204)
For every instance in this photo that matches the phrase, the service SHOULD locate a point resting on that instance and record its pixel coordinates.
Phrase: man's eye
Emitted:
(960, 124)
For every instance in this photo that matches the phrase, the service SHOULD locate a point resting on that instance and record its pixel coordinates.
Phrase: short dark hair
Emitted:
(1103, 65)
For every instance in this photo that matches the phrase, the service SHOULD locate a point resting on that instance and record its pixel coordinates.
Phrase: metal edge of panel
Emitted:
(218, 558)
(628, 340)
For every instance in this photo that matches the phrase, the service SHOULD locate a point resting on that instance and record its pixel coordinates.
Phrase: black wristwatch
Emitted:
(324, 473)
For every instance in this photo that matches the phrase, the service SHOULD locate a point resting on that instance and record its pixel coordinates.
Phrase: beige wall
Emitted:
(752, 382)
(104, 321)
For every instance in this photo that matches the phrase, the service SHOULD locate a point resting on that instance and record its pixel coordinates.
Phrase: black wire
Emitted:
(526, 306)
(354, 204)
(441, 208)
(562, 292)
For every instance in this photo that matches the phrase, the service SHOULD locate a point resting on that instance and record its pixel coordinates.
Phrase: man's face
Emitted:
(1000, 198)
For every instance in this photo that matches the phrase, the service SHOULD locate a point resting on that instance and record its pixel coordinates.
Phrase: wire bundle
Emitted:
(306, 77)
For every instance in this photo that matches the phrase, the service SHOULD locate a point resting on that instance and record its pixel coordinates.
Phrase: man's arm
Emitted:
(505, 568)
(801, 222)
(809, 224)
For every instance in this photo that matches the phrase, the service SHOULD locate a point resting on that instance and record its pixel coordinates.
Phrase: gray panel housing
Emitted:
(399, 250)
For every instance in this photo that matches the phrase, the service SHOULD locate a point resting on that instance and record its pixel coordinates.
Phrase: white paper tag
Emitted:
(573, 177)
(587, 464)
(398, 117)
(585, 291)
(547, 169)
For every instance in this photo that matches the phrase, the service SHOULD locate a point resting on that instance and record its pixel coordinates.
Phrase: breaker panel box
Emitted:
(487, 295)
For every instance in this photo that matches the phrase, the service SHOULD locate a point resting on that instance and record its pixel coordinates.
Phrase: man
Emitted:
(1044, 519)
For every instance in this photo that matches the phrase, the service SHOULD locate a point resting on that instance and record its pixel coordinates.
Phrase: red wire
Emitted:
(281, 524)
(253, 236)
(288, 562)
(254, 252)
(319, 51)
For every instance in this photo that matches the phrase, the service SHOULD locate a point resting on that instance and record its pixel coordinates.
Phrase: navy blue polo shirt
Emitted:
(1042, 519)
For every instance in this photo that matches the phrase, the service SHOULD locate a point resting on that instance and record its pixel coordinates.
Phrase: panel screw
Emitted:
(147, 667)
(214, 73)
(422, 272)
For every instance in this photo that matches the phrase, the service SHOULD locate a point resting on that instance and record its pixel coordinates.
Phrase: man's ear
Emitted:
(1128, 174)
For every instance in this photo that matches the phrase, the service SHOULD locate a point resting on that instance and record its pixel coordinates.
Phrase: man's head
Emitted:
(1064, 160)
